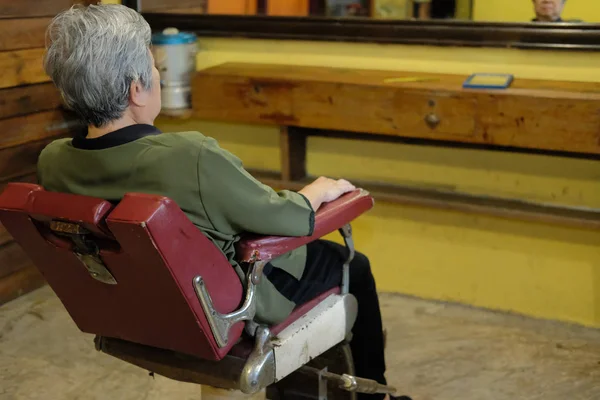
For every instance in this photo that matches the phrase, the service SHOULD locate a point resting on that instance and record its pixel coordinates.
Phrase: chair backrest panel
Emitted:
(88, 212)
(157, 253)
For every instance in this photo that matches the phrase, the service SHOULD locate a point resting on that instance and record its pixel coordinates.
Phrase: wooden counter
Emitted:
(532, 114)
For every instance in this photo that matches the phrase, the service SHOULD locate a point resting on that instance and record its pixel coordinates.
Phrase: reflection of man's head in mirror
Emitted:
(548, 10)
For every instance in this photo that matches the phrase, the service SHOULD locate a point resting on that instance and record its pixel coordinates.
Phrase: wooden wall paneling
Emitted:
(21, 160)
(22, 67)
(37, 8)
(298, 8)
(23, 33)
(35, 127)
(292, 145)
(19, 283)
(28, 100)
(232, 7)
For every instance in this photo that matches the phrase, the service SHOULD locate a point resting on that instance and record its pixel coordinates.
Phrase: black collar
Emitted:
(115, 138)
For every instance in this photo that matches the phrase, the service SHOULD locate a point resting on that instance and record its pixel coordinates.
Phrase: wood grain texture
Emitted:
(35, 127)
(28, 99)
(22, 67)
(533, 114)
(21, 160)
(22, 33)
(20, 283)
(37, 8)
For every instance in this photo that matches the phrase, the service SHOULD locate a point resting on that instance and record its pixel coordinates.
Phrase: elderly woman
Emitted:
(99, 58)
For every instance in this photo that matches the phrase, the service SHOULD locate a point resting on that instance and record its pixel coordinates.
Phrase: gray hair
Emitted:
(93, 54)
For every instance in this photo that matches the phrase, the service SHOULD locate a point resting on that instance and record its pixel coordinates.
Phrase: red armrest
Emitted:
(330, 217)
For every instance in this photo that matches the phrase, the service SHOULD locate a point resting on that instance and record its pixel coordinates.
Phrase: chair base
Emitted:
(301, 385)
(224, 376)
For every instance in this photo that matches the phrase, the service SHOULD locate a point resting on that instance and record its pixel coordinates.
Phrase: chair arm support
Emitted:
(329, 218)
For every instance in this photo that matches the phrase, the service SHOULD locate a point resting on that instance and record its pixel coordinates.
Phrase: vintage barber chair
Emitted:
(158, 294)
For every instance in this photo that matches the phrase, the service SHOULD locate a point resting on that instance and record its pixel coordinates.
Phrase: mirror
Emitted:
(509, 11)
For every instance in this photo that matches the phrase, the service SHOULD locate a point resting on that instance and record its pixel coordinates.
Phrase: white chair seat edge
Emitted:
(323, 327)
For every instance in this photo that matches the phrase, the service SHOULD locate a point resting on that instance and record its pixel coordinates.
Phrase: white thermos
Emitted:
(175, 58)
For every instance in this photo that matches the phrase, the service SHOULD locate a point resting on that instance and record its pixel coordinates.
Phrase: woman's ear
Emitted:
(137, 95)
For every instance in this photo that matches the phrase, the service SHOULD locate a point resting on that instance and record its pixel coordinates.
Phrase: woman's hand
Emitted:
(324, 190)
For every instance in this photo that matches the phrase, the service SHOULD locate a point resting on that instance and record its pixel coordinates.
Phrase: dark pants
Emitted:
(323, 272)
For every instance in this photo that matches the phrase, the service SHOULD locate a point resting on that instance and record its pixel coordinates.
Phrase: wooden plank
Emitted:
(22, 67)
(37, 8)
(21, 33)
(28, 100)
(12, 259)
(444, 82)
(20, 283)
(461, 202)
(292, 145)
(544, 115)
(21, 160)
(35, 127)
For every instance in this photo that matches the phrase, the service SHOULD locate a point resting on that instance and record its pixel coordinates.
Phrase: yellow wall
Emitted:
(522, 10)
(534, 269)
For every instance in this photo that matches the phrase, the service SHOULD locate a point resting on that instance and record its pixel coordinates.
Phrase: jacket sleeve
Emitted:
(233, 199)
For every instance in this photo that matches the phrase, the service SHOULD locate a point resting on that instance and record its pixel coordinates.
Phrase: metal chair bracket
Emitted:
(220, 324)
(259, 371)
(346, 232)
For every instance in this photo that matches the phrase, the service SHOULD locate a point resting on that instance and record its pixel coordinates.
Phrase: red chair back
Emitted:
(150, 248)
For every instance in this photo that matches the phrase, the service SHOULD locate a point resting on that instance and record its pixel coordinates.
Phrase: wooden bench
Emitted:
(561, 118)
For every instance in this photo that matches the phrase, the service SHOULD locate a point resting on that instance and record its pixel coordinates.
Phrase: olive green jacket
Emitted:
(208, 183)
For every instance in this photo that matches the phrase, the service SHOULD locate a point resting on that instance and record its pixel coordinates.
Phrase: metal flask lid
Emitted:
(173, 36)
